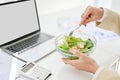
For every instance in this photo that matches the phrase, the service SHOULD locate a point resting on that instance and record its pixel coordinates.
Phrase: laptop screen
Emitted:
(17, 19)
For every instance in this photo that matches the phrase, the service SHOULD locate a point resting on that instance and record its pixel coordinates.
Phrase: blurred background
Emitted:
(64, 15)
(59, 16)
(49, 6)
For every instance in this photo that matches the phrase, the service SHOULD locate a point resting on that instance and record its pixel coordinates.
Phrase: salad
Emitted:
(75, 42)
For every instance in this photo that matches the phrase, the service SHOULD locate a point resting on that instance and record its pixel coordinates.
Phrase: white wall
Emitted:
(115, 5)
(49, 6)
(110, 4)
(104, 3)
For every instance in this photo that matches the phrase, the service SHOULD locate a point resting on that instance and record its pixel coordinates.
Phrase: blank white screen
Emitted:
(17, 19)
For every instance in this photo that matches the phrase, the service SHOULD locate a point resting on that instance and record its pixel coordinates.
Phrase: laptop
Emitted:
(20, 31)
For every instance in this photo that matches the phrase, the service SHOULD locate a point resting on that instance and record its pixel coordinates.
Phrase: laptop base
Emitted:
(19, 48)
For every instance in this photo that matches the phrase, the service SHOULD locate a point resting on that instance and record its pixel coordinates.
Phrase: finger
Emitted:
(83, 20)
(82, 15)
(87, 14)
(84, 24)
(88, 20)
(66, 61)
(76, 52)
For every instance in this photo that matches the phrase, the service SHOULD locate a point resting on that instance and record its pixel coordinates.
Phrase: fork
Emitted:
(74, 30)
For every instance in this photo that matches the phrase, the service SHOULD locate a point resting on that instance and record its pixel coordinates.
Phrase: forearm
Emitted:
(107, 74)
(110, 22)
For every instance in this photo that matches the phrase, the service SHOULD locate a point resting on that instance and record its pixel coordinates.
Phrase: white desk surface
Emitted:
(104, 54)
(5, 66)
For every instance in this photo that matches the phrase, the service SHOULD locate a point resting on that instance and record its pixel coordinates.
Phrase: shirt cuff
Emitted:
(97, 73)
(104, 15)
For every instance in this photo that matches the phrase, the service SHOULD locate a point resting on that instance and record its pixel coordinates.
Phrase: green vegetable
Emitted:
(89, 44)
(84, 50)
(73, 57)
(71, 41)
(64, 50)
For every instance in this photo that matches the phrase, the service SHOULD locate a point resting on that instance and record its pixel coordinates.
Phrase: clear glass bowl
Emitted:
(84, 36)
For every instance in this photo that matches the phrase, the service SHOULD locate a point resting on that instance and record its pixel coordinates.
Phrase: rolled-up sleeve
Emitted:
(110, 22)
(107, 74)
(104, 15)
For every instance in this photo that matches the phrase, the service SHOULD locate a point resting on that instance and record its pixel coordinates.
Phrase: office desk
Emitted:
(104, 54)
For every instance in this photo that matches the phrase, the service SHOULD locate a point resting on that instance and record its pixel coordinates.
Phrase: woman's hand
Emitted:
(84, 62)
(91, 14)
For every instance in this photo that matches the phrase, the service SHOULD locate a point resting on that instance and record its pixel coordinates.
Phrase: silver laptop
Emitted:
(20, 29)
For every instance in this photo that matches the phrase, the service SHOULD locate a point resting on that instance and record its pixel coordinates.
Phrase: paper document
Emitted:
(100, 34)
(5, 65)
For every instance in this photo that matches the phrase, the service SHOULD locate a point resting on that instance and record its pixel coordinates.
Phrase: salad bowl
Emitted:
(83, 42)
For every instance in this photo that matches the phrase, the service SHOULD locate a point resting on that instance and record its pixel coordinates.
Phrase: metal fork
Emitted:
(74, 30)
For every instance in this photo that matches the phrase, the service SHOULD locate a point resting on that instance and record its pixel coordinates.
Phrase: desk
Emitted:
(5, 65)
(104, 54)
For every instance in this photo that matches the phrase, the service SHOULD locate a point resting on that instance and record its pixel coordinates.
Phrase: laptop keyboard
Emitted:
(28, 43)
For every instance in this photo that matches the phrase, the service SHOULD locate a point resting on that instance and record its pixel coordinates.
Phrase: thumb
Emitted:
(66, 61)
(83, 21)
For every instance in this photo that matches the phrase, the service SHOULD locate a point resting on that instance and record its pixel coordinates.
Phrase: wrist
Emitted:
(94, 68)
(97, 72)
(101, 11)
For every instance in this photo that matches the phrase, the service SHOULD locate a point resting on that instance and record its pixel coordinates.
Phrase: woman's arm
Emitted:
(111, 22)
(85, 63)
(107, 74)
